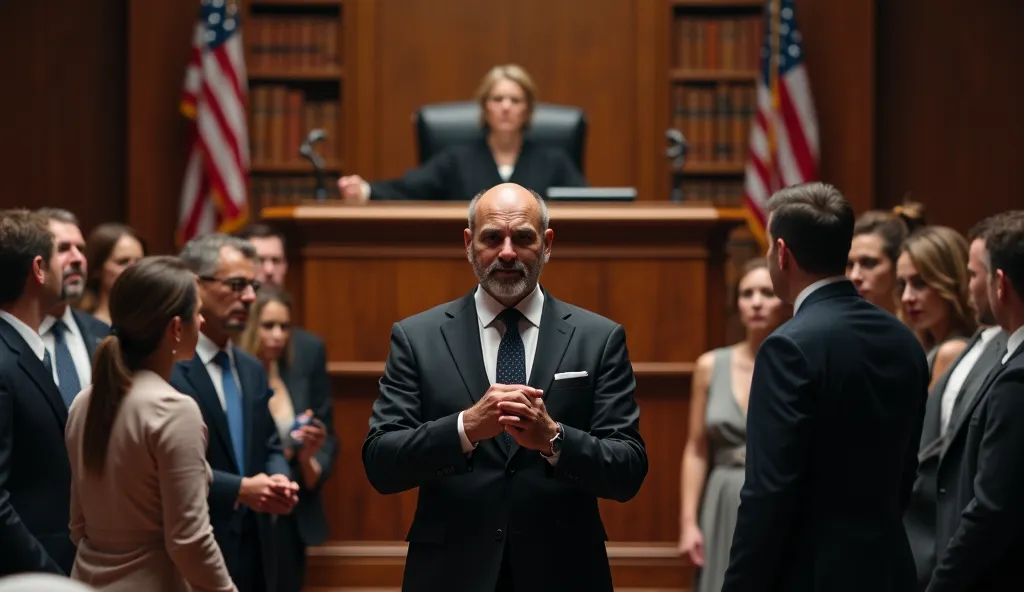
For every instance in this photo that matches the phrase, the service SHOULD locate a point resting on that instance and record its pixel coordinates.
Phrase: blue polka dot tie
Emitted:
(511, 368)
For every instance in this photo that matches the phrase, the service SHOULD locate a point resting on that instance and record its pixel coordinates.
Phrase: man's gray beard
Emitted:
(71, 293)
(513, 291)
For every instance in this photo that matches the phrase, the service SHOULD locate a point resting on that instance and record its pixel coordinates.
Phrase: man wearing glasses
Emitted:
(251, 478)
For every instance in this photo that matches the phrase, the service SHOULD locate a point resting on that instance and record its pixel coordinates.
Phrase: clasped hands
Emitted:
(272, 494)
(516, 409)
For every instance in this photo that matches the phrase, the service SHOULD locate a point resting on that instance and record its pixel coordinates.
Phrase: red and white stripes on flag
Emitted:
(784, 147)
(214, 193)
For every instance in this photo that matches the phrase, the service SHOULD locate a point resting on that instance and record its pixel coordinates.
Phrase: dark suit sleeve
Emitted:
(224, 489)
(611, 460)
(929, 450)
(568, 175)
(994, 519)
(778, 445)
(401, 451)
(19, 550)
(429, 182)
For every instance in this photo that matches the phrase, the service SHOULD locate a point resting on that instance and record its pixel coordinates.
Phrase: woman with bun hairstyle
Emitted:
(137, 447)
(878, 236)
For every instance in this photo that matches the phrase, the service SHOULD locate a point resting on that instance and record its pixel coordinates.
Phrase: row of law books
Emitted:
(716, 121)
(731, 44)
(281, 118)
(290, 190)
(722, 194)
(293, 42)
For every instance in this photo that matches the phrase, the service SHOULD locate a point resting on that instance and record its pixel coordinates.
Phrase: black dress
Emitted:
(460, 172)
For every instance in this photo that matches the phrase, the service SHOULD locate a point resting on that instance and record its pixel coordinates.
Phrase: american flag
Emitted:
(784, 135)
(214, 194)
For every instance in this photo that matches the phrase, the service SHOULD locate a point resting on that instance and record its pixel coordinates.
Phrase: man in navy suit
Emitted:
(835, 416)
(35, 475)
(987, 546)
(251, 477)
(71, 336)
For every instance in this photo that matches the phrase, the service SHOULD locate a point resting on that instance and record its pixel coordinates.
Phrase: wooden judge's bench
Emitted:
(658, 268)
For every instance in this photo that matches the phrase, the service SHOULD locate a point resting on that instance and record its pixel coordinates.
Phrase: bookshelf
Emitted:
(713, 68)
(295, 58)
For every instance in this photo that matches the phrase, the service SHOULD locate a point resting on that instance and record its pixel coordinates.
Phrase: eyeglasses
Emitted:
(236, 284)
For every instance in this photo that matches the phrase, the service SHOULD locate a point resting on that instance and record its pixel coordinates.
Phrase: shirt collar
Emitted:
(68, 318)
(989, 332)
(488, 309)
(1014, 341)
(810, 289)
(31, 337)
(207, 349)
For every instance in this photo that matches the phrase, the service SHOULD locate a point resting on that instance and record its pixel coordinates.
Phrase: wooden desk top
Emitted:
(409, 211)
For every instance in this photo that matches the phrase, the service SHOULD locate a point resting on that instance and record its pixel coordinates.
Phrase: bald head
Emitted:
(509, 197)
(508, 241)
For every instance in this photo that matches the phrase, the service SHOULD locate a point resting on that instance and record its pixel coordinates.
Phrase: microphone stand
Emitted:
(676, 152)
(306, 150)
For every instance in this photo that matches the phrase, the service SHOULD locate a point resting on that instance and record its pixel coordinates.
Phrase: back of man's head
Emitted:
(24, 235)
(202, 254)
(816, 223)
(1005, 242)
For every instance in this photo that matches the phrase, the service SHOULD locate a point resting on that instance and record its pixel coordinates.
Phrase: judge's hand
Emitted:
(529, 423)
(351, 188)
(481, 420)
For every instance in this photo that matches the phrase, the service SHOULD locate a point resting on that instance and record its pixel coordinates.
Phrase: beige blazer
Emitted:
(144, 524)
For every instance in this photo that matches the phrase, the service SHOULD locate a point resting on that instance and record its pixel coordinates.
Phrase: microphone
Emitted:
(676, 152)
(306, 150)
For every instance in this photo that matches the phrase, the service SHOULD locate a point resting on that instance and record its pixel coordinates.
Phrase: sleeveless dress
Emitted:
(726, 428)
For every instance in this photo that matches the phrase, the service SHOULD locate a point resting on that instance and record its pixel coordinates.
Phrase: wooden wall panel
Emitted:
(63, 102)
(949, 104)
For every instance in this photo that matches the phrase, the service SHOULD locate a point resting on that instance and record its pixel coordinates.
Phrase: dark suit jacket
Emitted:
(35, 475)
(263, 455)
(470, 507)
(93, 331)
(833, 428)
(986, 551)
(309, 386)
(461, 172)
(921, 516)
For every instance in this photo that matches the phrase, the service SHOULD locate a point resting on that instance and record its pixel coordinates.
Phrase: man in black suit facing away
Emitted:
(251, 478)
(35, 475)
(71, 336)
(931, 521)
(836, 406)
(513, 412)
(987, 548)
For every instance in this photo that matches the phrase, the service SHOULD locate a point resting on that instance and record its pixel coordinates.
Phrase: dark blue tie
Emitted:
(67, 375)
(511, 368)
(233, 404)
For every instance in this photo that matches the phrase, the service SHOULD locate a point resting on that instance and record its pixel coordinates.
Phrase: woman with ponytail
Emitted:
(137, 447)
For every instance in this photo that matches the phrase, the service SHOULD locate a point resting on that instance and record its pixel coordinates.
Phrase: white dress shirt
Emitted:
(31, 337)
(959, 375)
(76, 345)
(810, 289)
(207, 349)
(1013, 342)
(491, 332)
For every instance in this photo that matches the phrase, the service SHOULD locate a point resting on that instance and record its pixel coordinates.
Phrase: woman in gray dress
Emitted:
(713, 459)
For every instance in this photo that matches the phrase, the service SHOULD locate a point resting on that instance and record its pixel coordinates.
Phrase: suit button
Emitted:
(498, 535)
(942, 491)
(511, 470)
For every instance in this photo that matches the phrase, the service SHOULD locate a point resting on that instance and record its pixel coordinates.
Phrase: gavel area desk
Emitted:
(658, 268)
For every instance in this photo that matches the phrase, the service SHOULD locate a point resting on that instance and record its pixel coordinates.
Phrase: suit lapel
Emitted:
(462, 335)
(968, 410)
(552, 341)
(932, 429)
(36, 371)
(250, 394)
(91, 339)
(196, 374)
(990, 358)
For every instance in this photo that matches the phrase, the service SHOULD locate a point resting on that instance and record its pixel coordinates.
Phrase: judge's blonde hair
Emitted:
(511, 72)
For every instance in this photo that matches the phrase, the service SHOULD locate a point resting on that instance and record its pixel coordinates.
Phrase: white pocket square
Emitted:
(564, 375)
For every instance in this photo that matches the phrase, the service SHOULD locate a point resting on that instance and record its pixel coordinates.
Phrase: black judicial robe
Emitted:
(460, 172)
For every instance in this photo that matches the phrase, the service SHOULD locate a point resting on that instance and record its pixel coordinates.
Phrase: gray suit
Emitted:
(920, 518)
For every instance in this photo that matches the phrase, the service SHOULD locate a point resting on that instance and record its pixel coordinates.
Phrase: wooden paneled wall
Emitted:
(63, 106)
(949, 107)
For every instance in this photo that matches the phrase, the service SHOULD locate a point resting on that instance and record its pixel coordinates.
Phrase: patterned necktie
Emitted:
(511, 367)
(67, 374)
(233, 404)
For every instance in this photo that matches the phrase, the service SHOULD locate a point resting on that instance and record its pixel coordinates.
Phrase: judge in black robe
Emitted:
(460, 172)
